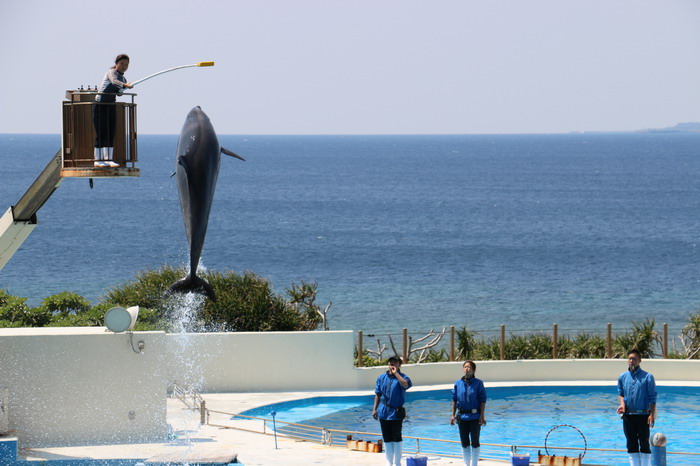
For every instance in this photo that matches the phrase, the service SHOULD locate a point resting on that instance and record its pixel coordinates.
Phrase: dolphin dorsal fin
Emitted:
(231, 153)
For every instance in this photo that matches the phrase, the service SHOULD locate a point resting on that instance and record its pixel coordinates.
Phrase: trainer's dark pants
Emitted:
(637, 432)
(104, 117)
(469, 428)
(391, 430)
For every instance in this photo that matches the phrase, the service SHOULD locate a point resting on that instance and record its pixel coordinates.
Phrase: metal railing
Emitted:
(411, 444)
(191, 398)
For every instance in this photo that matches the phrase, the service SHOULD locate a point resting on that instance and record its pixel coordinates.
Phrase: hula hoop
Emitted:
(585, 443)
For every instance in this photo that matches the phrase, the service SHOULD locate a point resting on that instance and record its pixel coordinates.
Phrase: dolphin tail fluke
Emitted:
(231, 153)
(192, 284)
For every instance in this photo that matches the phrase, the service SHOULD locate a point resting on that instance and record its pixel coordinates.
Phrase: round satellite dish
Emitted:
(118, 319)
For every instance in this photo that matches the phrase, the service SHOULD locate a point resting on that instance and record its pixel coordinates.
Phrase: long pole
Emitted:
(201, 63)
(405, 346)
(503, 342)
(360, 350)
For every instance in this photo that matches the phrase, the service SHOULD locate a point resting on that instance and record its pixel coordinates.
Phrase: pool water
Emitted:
(516, 416)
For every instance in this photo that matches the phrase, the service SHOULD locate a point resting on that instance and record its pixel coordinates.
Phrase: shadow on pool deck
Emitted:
(252, 448)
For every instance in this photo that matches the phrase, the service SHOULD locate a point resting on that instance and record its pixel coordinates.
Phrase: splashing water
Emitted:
(184, 311)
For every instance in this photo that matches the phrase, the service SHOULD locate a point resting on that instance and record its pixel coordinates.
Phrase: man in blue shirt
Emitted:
(636, 390)
(388, 408)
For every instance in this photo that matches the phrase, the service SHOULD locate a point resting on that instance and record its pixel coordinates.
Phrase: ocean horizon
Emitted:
(416, 231)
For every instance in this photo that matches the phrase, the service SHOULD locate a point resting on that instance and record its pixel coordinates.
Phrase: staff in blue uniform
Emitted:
(636, 390)
(388, 408)
(104, 113)
(468, 407)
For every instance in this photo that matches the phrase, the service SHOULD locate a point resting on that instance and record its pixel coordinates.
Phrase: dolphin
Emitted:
(197, 169)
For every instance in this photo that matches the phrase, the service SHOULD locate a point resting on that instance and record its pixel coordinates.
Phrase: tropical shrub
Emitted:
(466, 343)
(585, 345)
(245, 302)
(690, 338)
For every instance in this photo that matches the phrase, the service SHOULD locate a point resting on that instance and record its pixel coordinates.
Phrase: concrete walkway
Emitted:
(199, 441)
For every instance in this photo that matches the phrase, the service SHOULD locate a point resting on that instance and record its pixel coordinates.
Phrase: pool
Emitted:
(516, 416)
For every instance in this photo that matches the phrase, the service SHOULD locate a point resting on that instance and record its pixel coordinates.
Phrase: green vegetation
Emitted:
(246, 303)
(643, 336)
(539, 345)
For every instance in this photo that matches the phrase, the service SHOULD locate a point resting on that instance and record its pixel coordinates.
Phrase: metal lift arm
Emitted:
(19, 220)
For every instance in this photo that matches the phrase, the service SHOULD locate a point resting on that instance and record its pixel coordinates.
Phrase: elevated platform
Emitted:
(81, 120)
(91, 172)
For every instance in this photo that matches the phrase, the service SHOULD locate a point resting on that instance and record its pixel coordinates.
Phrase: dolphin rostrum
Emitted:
(197, 168)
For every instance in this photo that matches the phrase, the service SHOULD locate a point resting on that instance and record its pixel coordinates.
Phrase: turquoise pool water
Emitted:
(516, 416)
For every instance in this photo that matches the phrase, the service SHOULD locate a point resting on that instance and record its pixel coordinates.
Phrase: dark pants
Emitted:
(469, 428)
(391, 430)
(104, 117)
(637, 432)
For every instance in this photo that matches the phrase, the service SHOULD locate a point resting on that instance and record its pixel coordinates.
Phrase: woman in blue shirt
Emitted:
(468, 406)
(388, 408)
(104, 114)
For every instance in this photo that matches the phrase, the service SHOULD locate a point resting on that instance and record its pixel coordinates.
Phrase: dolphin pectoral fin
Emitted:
(231, 153)
(181, 160)
(192, 284)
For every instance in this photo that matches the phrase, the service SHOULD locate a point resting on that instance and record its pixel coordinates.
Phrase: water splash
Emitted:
(184, 311)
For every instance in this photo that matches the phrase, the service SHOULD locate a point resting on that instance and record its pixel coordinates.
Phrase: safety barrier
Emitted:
(191, 398)
(411, 444)
(406, 349)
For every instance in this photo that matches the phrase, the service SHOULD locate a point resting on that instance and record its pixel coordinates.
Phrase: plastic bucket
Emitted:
(417, 461)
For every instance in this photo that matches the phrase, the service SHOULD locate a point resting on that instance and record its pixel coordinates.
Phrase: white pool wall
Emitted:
(543, 370)
(71, 386)
(270, 361)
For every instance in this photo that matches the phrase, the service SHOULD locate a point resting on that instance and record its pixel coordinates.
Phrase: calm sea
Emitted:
(398, 231)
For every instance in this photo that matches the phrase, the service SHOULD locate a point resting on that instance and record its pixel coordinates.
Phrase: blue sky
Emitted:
(363, 67)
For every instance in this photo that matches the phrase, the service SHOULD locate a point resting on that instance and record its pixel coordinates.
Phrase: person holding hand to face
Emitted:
(388, 407)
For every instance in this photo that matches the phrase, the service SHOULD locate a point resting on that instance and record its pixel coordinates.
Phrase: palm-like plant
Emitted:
(690, 337)
(466, 343)
(586, 345)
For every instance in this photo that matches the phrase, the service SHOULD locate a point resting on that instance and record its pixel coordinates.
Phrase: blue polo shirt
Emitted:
(469, 396)
(638, 389)
(391, 393)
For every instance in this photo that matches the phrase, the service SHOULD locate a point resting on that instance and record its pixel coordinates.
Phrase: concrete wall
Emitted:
(87, 386)
(72, 386)
(270, 361)
(79, 386)
(541, 370)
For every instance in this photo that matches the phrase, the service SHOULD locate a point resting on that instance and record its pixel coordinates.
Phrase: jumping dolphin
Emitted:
(197, 168)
